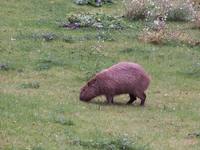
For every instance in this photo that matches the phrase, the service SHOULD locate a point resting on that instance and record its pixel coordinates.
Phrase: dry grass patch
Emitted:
(167, 37)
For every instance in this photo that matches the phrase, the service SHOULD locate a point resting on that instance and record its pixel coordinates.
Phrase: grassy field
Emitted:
(40, 83)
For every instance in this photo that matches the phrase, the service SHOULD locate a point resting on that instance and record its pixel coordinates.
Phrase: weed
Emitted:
(181, 10)
(135, 9)
(10, 148)
(31, 85)
(63, 121)
(38, 148)
(121, 143)
(97, 20)
(166, 37)
(96, 3)
(48, 62)
(49, 36)
(196, 24)
(128, 50)
(105, 36)
(196, 21)
(81, 2)
(181, 38)
(195, 135)
(193, 71)
(69, 39)
(4, 67)
(153, 37)
(36, 36)
(87, 37)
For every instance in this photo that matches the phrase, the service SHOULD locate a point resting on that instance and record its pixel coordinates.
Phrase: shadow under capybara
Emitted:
(122, 78)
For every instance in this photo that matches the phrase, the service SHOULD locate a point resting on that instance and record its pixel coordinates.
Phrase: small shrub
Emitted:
(146, 9)
(135, 9)
(31, 85)
(181, 11)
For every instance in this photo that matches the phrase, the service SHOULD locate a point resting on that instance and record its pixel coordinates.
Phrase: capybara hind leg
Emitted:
(109, 99)
(132, 99)
(143, 98)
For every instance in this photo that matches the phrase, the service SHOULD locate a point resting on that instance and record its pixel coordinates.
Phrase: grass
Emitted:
(39, 90)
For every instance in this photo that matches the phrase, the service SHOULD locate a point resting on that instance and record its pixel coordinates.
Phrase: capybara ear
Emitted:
(91, 82)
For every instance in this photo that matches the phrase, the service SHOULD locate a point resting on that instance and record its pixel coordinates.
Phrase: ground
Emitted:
(39, 90)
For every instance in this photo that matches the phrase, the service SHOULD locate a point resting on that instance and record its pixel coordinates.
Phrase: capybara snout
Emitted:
(89, 91)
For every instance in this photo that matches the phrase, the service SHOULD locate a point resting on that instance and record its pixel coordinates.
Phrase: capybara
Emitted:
(122, 78)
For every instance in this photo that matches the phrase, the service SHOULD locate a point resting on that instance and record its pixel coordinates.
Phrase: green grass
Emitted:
(49, 115)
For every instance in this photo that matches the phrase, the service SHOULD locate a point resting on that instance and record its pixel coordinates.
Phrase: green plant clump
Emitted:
(121, 143)
(97, 21)
(97, 3)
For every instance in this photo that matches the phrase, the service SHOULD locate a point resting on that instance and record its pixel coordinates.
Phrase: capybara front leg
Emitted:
(132, 99)
(109, 99)
(143, 98)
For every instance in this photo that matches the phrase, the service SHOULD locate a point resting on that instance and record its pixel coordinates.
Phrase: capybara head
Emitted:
(89, 91)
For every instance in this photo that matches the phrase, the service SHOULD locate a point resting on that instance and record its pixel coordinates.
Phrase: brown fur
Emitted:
(122, 78)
